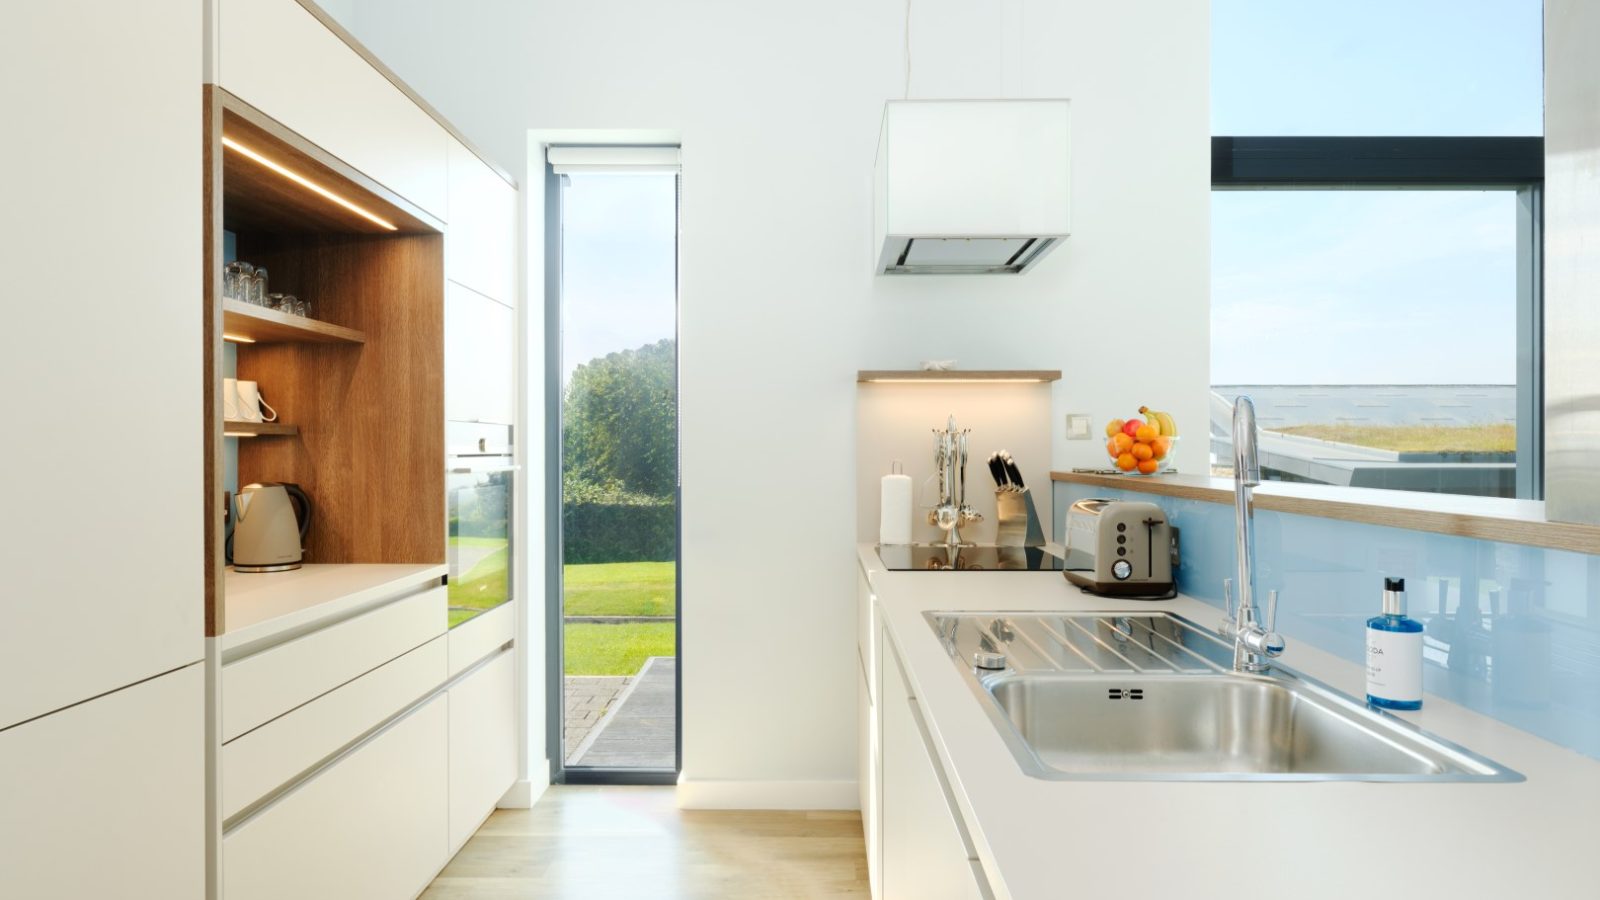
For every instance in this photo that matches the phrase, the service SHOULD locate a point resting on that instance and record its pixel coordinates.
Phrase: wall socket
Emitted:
(1077, 427)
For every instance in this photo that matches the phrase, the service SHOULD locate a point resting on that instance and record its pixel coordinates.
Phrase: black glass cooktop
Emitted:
(979, 558)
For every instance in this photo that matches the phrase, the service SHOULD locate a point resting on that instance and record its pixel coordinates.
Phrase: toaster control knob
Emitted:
(1121, 569)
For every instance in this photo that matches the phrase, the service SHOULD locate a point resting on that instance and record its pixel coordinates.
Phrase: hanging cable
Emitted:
(908, 50)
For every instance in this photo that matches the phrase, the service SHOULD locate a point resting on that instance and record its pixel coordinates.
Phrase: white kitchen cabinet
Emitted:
(371, 826)
(265, 758)
(481, 636)
(925, 856)
(269, 683)
(107, 798)
(869, 762)
(480, 358)
(480, 243)
(276, 56)
(102, 536)
(483, 744)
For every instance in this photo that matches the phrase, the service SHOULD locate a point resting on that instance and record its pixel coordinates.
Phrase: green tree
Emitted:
(620, 424)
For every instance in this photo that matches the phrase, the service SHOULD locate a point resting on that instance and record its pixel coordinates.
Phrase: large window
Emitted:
(616, 610)
(1375, 242)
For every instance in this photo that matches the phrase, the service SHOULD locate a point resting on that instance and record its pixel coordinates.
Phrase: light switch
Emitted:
(1077, 427)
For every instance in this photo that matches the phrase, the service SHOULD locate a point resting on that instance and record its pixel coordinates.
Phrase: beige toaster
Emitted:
(1121, 548)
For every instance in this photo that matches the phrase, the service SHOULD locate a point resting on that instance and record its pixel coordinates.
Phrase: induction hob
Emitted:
(975, 558)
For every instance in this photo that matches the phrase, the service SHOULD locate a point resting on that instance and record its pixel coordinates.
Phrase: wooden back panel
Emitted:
(370, 452)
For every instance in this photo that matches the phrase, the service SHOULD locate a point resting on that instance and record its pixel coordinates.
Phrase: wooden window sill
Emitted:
(1482, 518)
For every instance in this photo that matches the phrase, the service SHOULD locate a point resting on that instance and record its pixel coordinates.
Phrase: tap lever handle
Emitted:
(1227, 598)
(1272, 610)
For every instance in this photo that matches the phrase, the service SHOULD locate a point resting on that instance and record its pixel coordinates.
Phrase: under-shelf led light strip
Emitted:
(307, 183)
(954, 380)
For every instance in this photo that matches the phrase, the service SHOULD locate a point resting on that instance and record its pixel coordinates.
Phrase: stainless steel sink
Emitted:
(1151, 696)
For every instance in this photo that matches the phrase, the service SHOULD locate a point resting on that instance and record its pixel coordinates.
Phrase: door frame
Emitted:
(555, 675)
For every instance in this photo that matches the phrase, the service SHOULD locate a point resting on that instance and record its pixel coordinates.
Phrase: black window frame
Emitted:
(1276, 163)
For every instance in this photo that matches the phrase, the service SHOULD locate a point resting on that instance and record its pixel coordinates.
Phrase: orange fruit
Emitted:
(1114, 427)
(1146, 434)
(1126, 462)
(1162, 446)
(1149, 466)
(1142, 452)
(1122, 442)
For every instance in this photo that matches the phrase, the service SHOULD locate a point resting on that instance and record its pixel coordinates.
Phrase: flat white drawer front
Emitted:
(483, 744)
(276, 56)
(480, 244)
(371, 827)
(268, 684)
(272, 755)
(481, 635)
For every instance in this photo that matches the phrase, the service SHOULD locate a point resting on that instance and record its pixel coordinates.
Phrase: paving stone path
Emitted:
(587, 698)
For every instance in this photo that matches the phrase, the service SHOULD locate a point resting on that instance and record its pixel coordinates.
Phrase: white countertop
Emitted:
(270, 606)
(1373, 841)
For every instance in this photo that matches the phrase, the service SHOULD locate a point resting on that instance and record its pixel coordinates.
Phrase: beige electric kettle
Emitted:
(268, 527)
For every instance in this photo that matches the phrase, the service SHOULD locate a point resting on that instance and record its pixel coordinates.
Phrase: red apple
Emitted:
(1131, 427)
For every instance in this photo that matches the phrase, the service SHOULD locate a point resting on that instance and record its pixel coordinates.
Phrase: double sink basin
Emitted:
(1154, 697)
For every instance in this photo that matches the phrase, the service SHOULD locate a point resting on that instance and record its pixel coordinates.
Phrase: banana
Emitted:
(1163, 422)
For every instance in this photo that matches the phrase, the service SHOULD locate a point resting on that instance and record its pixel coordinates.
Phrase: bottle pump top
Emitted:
(1394, 596)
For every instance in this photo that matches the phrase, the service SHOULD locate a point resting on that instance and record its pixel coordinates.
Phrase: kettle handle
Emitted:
(302, 507)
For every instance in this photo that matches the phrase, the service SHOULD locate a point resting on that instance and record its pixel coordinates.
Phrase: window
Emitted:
(615, 615)
(1377, 296)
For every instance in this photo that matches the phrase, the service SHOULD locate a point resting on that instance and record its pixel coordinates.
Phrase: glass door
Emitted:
(618, 465)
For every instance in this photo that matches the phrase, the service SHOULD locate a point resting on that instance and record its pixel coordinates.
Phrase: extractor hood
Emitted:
(970, 187)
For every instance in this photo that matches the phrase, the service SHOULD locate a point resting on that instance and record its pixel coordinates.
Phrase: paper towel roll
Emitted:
(894, 510)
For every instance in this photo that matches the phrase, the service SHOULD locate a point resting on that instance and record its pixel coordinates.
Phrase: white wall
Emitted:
(778, 107)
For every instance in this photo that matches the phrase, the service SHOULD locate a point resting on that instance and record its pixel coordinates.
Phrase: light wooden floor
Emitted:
(633, 843)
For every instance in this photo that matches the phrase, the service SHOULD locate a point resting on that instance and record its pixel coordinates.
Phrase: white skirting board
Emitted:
(523, 794)
(694, 794)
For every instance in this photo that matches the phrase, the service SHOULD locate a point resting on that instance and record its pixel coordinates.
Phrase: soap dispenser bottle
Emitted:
(1394, 652)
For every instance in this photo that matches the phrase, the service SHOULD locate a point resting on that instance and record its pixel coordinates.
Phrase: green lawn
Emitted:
(593, 649)
(620, 589)
(1499, 438)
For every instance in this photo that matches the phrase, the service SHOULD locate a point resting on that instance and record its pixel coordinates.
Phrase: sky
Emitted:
(619, 269)
(1360, 287)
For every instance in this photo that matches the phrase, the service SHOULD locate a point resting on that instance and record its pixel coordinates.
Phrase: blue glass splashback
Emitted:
(1511, 631)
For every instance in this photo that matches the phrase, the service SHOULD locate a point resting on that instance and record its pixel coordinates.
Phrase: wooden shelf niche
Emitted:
(363, 383)
(259, 325)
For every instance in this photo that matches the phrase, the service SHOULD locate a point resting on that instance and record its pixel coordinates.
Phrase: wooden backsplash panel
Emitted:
(370, 452)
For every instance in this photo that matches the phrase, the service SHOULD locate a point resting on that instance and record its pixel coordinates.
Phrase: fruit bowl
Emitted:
(1162, 465)
(1142, 446)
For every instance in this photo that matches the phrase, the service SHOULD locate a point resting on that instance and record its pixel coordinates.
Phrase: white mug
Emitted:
(230, 399)
(251, 404)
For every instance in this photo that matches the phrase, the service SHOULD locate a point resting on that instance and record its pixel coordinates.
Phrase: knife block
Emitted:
(1019, 524)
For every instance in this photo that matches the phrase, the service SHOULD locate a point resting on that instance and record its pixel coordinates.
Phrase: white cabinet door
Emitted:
(483, 744)
(370, 827)
(924, 855)
(277, 57)
(869, 773)
(480, 242)
(480, 358)
(107, 798)
(101, 534)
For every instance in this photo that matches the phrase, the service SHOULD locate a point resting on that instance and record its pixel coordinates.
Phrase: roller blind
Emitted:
(614, 160)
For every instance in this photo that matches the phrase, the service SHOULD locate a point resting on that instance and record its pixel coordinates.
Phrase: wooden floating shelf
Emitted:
(257, 429)
(958, 376)
(260, 325)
